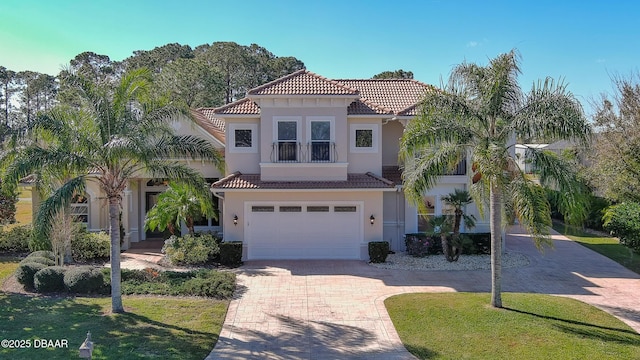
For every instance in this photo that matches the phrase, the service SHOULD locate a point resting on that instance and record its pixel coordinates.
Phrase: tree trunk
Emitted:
(114, 232)
(446, 248)
(495, 218)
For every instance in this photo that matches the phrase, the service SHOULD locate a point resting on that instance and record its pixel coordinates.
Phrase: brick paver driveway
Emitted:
(335, 310)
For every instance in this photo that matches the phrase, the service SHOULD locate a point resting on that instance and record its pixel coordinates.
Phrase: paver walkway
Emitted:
(335, 309)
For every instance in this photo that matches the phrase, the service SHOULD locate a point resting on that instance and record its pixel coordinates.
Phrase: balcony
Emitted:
(293, 161)
(295, 152)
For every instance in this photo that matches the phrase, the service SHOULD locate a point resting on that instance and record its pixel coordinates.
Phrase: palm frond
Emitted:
(558, 174)
(550, 112)
(531, 208)
(59, 200)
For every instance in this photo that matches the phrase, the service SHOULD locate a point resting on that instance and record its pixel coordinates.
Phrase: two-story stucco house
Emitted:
(312, 167)
(311, 170)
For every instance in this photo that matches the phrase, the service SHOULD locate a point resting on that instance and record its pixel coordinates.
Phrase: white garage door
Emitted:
(303, 231)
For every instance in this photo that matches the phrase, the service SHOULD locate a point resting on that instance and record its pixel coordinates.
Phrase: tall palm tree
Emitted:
(479, 113)
(119, 132)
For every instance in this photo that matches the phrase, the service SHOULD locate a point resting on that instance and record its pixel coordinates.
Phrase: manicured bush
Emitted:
(49, 279)
(203, 282)
(42, 253)
(84, 280)
(378, 251)
(231, 253)
(218, 285)
(16, 240)
(421, 244)
(191, 249)
(623, 222)
(26, 271)
(86, 246)
(38, 259)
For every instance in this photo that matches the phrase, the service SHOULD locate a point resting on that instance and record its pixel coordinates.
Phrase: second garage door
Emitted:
(303, 231)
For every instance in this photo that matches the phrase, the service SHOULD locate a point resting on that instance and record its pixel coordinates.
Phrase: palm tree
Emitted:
(479, 113)
(180, 203)
(457, 200)
(119, 132)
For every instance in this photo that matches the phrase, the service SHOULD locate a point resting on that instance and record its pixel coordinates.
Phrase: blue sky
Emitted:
(584, 42)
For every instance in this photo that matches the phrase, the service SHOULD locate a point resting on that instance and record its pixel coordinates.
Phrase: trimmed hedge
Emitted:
(86, 246)
(49, 279)
(42, 253)
(378, 251)
(203, 282)
(84, 280)
(231, 253)
(38, 259)
(26, 271)
(421, 244)
(623, 222)
(16, 240)
(191, 249)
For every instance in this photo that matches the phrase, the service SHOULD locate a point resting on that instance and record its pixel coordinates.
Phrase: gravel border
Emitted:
(401, 261)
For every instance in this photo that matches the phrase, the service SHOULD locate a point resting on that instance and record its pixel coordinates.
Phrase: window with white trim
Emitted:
(363, 138)
(320, 137)
(286, 140)
(243, 138)
(80, 209)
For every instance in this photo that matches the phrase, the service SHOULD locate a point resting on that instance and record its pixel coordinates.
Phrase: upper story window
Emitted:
(287, 141)
(243, 138)
(321, 136)
(364, 138)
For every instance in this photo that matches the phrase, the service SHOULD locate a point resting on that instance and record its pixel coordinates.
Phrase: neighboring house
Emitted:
(312, 167)
(311, 170)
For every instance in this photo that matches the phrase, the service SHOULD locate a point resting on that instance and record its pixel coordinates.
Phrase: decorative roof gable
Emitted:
(303, 82)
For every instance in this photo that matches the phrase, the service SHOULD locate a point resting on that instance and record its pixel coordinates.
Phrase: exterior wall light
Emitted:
(372, 219)
(235, 220)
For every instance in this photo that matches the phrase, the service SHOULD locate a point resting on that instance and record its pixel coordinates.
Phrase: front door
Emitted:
(151, 200)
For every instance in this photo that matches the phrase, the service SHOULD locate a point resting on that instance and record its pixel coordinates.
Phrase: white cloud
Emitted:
(600, 61)
(472, 44)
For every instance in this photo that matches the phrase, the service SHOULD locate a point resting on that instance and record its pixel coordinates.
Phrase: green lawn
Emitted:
(605, 245)
(153, 327)
(7, 266)
(531, 326)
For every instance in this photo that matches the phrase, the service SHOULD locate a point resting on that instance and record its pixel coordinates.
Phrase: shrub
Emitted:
(38, 259)
(16, 240)
(478, 244)
(191, 249)
(218, 285)
(597, 207)
(378, 251)
(43, 253)
(86, 246)
(84, 280)
(623, 221)
(26, 271)
(231, 253)
(421, 244)
(49, 279)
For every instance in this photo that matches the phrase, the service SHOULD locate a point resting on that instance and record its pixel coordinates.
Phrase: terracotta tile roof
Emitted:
(376, 96)
(238, 180)
(209, 125)
(210, 114)
(303, 82)
(243, 106)
(386, 96)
